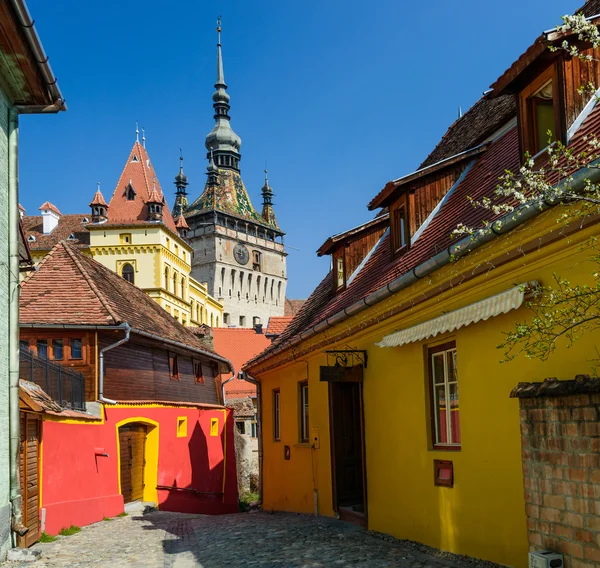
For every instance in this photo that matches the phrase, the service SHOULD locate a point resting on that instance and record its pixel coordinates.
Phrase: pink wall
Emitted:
(80, 487)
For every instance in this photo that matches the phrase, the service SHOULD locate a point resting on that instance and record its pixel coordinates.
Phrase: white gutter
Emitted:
(125, 327)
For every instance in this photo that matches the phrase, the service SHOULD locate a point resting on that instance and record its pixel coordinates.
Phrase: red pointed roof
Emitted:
(98, 199)
(140, 173)
(48, 205)
(182, 223)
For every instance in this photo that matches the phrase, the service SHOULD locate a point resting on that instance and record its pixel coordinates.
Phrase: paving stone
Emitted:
(256, 540)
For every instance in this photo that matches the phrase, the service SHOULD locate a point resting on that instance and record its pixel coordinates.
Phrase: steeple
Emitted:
(267, 194)
(99, 207)
(222, 140)
(181, 182)
(212, 171)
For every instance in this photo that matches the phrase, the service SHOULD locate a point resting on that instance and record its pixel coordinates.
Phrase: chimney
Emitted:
(50, 217)
(258, 328)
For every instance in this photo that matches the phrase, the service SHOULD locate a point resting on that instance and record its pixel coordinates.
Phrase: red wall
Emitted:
(79, 487)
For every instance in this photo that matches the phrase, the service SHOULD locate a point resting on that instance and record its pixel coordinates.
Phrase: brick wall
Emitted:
(561, 467)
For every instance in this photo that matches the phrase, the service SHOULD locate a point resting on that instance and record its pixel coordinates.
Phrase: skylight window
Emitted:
(135, 159)
(71, 237)
(31, 238)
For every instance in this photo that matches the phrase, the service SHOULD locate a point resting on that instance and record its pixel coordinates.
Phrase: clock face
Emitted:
(240, 253)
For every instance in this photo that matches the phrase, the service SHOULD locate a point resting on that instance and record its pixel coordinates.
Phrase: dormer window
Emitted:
(71, 237)
(130, 193)
(540, 112)
(31, 239)
(339, 269)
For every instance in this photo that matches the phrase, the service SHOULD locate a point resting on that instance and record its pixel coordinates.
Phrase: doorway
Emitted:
(132, 448)
(29, 454)
(348, 455)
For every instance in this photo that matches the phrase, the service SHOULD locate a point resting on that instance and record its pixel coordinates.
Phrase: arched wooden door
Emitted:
(132, 442)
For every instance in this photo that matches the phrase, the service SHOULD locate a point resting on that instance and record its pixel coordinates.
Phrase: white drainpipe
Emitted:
(125, 327)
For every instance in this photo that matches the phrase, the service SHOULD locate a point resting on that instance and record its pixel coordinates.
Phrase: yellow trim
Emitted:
(182, 426)
(214, 426)
(41, 463)
(96, 367)
(224, 450)
(91, 421)
(150, 493)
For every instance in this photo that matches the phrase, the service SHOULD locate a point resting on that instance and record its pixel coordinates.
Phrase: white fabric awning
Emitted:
(482, 310)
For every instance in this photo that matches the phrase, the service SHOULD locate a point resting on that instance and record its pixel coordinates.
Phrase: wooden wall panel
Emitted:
(575, 74)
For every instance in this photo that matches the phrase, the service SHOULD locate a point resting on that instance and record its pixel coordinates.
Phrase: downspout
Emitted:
(246, 377)
(13, 321)
(125, 327)
(223, 387)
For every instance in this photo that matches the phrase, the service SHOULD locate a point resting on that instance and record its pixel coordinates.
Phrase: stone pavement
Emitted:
(279, 540)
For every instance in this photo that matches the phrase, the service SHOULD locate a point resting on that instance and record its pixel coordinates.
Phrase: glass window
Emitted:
(76, 349)
(253, 432)
(241, 427)
(198, 375)
(542, 107)
(42, 348)
(399, 229)
(444, 389)
(127, 272)
(304, 435)
(173, 367)
(276, 416)
(57, 349)
(339, 271)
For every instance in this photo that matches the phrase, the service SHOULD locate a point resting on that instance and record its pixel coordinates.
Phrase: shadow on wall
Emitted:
(206, 490)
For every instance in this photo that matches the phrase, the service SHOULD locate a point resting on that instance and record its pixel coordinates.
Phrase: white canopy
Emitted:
(482, 310)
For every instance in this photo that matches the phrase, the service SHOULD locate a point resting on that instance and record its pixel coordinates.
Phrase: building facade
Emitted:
(238, 252)
(134, 235)
(27, 86)
(386, 402)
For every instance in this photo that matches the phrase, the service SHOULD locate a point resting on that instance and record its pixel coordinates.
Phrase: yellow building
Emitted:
(136, 236)
(385, 401)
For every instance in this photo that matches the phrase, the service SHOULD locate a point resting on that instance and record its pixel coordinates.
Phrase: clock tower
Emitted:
(238, 252)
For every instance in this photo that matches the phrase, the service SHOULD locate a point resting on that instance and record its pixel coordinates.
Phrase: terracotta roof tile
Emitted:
(181, 223)
(67, 225)
(140, 173)
(48, 205)
(277, 325)
(88, 293)
(98, 199)
(239, 346)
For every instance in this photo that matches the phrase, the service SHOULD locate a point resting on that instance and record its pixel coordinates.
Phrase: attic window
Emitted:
(130, 193)
(71, 237)
(85, 220)
(539, 112)
(31, 238)
(399, 230)
(339, 270)
(135, 158)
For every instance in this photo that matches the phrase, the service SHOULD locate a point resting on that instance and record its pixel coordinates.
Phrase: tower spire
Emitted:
(267, 194)
(137, 132)
(181, 182)
(222, 139)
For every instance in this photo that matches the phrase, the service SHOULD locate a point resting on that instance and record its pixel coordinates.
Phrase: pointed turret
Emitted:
(181, 182)
(222, 139)
(267, 211)
(99, 207)
(182, 226)
(155, 204)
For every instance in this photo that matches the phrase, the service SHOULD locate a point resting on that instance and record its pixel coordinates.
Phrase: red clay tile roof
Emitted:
(21, 208)
(139, 171)
(239, 346)
(37, 399)
(70, 288)
(48, 205)
(67, 225)
(292, 307)
(98, 199)
(277, 325)
(181, 223)
(381, 268)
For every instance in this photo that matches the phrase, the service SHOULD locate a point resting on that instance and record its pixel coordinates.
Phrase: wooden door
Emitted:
(29, 477)
(132, 441)
(347, 433)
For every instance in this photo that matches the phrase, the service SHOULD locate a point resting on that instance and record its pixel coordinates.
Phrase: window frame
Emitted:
(338, 259)
(132, 273)
(53, 340)
(198, 377)
(173, 367)
(303, 409)
(71, 340)
(431, 352)
(400, 232)
(276, 398)
(526, 109)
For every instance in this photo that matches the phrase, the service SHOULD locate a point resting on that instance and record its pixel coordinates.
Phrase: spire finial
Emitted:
(143, 138)
(460, 112)
(218, 30)
(98, 186)
(137, 132)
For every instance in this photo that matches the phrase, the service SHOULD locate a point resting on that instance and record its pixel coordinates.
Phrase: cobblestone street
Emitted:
(173, 540)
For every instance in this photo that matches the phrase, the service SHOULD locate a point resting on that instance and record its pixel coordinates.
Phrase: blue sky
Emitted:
(338, 96)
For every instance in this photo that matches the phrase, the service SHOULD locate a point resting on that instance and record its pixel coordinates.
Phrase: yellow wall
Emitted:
(483, 515)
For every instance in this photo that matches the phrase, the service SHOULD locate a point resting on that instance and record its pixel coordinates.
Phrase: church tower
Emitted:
(237, 251)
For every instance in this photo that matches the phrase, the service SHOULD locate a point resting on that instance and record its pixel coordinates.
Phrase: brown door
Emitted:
(29, 476)
(132, 439)
(348, 447)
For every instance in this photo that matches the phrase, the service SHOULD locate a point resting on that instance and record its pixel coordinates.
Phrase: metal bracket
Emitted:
(347, 357)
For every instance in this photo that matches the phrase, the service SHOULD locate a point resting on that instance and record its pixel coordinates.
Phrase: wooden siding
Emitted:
(29, 474)
(139, 370)
(357, 248)
(86, 365)
(575, 74)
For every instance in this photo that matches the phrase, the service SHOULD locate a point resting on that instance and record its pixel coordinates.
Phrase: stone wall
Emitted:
(560, 427)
